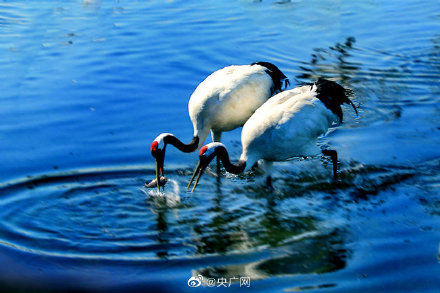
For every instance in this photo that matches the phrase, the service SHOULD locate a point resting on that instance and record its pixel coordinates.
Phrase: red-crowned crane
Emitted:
(286, 126)
(222, 102)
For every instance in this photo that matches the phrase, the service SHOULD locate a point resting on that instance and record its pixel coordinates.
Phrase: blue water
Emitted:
(87, 85)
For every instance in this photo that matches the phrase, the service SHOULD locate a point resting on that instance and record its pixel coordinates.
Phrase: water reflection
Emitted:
(311, 254)
(331, 63)
(221, 233)
(319, 254)
(388, 85)
(162, 235)
(276, 227)
(298, 240)
(258, 223)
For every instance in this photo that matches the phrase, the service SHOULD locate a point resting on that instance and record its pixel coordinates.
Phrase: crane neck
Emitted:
(234, 168)
(186, 148)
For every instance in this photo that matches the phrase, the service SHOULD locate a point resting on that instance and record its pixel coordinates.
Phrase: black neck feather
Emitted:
(186, 148)
(276, 75)
(236, 168)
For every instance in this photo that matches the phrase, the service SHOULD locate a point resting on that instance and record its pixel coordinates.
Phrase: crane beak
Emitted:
(158, 175)
(349, 92)
(350, 102)
(159, 156)
(200, 168)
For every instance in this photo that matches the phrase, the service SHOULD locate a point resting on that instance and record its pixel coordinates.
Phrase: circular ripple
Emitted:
(106, 214)
(98, 213)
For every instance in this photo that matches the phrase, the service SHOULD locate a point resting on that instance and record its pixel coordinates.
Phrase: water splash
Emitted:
(170, 196)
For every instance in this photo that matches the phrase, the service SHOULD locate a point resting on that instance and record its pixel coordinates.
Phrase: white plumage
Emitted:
(227, 98)
(286, 126)
(222, 102)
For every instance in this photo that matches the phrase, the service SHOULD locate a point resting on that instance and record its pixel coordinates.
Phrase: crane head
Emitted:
(206, 154)
(157, 149)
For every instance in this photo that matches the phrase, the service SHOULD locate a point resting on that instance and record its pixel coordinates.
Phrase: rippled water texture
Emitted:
(86, 86)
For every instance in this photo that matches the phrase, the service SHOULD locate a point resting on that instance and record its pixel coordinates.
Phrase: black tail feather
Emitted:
(333, 96)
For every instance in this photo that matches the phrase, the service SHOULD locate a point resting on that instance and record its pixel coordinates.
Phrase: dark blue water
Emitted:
(87, 85)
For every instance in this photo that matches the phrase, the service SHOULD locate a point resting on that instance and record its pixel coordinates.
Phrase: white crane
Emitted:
(286, 126)
(222, 102)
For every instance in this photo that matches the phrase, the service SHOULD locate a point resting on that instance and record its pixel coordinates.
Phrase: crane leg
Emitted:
(218, 167)
(334, 156)
(269, 182)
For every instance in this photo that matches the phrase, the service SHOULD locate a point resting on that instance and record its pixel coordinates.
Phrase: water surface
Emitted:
(88, 84)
